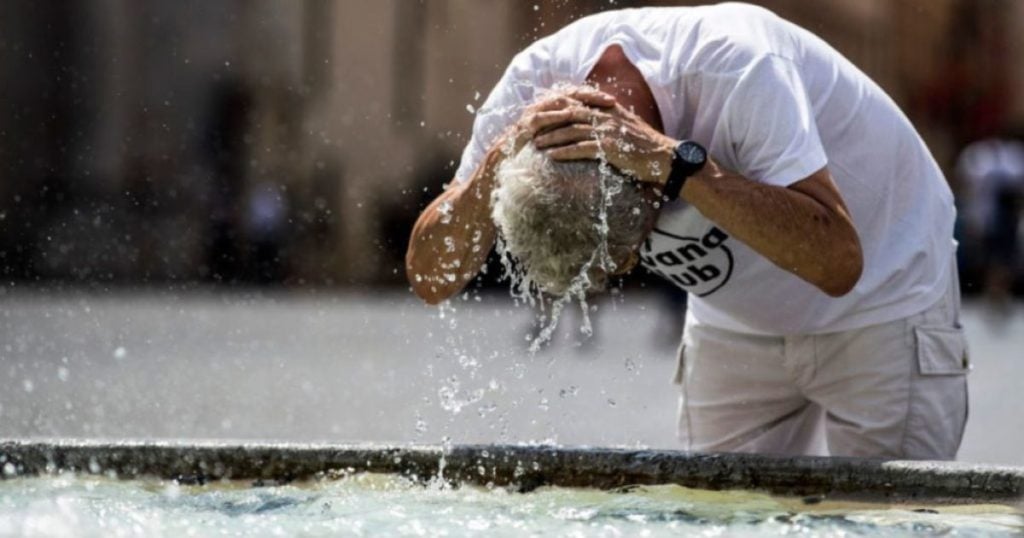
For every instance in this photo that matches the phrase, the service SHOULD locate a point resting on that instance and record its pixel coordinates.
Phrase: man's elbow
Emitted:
(427, 290)
(425, 283)
(847, 270)
(422, 285)
(429, 294)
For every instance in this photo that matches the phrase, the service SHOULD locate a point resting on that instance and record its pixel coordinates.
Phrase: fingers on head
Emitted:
(587, 97)
(555, 102)
(547, 112)
(586, 149)
(592, 97)
(554, 118)
(577, 114)
(567, 134)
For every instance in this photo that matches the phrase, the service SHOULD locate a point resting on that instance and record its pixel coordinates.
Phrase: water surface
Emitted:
(382, 505)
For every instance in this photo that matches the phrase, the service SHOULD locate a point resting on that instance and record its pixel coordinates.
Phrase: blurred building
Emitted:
(264, 141)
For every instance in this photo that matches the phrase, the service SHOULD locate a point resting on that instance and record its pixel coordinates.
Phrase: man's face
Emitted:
(627, 258)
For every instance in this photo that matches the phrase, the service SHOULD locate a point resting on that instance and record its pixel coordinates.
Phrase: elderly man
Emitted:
(804, 216)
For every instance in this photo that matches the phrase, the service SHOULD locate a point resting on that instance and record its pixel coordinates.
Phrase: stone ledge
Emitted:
(524, 467)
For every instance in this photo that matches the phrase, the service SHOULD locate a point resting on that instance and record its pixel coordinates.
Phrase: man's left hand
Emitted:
(612, 134)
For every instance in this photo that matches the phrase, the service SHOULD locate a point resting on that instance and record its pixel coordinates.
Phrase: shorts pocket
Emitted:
(938, 396)
(941, 351)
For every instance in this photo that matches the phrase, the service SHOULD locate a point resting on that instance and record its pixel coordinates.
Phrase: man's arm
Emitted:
(453, 236)
(804, 228)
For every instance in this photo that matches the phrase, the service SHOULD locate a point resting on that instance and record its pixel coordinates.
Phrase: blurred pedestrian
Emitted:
(992, 172)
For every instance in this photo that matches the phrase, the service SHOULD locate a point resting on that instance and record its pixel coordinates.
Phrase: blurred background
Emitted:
(257, 141)
(164, 161)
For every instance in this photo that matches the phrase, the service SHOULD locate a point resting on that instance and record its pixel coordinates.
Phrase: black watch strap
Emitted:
(688, 158)
(676, 179)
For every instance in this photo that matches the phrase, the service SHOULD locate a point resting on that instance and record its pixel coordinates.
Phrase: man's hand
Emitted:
(548, 114)
(611, 133)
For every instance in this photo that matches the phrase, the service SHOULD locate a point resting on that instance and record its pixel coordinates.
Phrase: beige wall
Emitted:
(454, 51)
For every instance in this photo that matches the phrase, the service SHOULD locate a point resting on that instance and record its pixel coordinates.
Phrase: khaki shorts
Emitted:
(893, 390)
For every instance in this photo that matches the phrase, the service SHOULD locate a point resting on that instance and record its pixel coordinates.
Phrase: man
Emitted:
(805, 217)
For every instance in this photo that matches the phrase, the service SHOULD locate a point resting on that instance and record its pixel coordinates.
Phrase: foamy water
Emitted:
(379, 505)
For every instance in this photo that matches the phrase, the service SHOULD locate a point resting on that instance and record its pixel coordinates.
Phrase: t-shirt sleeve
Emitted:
(500, 110)
(770, 124)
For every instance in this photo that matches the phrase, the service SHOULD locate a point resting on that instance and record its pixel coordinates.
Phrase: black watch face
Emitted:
(692, 153)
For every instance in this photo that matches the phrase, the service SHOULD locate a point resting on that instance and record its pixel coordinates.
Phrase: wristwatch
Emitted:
(688, 158)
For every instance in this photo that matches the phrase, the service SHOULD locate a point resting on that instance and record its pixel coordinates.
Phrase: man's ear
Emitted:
(625, 259)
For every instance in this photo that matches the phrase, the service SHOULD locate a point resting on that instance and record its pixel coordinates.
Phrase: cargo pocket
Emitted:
(938, 396)
(941, 351)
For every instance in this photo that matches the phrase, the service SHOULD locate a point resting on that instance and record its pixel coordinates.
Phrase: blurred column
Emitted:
(39, 52)
(1015, 47)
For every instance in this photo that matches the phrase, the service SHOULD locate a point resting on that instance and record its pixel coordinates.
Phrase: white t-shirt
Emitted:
(774, 103)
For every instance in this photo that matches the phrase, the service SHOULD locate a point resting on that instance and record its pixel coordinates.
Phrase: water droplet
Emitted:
(572, 390)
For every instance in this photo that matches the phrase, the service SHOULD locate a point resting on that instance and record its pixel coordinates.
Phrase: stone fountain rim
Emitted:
(523, 467)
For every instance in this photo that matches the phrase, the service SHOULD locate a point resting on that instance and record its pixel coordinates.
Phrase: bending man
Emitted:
(804, 216)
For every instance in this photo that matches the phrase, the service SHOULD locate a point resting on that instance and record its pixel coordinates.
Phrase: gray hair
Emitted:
(567, 224)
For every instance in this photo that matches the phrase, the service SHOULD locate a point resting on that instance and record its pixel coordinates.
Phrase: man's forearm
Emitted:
(798, 228)
(453, 236)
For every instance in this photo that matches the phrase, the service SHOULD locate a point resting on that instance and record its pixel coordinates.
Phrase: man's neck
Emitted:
(614, 74)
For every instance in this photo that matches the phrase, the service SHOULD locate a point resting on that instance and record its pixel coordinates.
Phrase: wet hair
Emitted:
(565, 225)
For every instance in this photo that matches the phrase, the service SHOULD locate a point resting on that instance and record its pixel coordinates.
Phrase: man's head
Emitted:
(570, 223)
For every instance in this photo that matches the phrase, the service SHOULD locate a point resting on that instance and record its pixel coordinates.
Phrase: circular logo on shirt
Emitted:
(700, 264)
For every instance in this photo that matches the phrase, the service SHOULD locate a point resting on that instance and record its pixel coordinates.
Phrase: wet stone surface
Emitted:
(527, 468)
